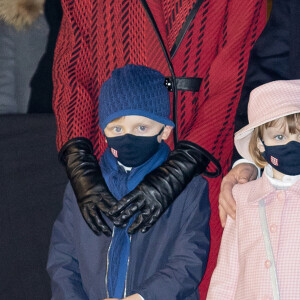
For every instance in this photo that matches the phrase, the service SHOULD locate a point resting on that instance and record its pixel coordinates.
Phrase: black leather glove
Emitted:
(162, 186)
(93, 196)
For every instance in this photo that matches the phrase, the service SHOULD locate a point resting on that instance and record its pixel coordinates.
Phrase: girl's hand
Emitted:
(134, 297)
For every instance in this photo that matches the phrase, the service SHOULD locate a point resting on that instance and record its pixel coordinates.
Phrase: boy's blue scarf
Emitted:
(121, 183)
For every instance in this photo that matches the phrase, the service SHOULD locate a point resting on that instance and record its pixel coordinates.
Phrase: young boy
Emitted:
(169, 260)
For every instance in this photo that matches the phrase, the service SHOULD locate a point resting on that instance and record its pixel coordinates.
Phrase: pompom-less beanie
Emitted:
(134, 90)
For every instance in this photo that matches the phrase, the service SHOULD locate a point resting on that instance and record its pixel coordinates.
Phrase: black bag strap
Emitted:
(185, 27)
(170, 65)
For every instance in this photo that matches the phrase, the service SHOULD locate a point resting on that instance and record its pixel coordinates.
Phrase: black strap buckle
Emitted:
(169, 84)
(191, 84)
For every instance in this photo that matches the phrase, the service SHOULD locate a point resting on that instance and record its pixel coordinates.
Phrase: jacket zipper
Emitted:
(107, 262)
(128, 261)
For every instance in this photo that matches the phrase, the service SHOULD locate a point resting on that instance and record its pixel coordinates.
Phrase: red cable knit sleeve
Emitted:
(75, 75)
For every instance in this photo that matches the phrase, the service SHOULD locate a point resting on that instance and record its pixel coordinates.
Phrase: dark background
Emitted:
(32, 183)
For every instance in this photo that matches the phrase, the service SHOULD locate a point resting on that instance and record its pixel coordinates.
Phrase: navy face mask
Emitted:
(284, 158)
(131, 150)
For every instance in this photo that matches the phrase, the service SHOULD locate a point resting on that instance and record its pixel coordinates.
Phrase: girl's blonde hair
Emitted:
(291, 121)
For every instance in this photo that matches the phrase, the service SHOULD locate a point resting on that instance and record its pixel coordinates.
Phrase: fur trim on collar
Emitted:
(20, 13)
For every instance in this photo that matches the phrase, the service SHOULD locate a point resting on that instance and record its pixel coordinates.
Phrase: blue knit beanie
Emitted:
(134, 90)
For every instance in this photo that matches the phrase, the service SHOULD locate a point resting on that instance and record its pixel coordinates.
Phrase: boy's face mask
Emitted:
(284, 158)
(131, 150)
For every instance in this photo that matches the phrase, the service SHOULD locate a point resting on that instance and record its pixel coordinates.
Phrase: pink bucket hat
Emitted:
(268, 102)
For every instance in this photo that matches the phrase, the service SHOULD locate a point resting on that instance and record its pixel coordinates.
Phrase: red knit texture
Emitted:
(98, 36)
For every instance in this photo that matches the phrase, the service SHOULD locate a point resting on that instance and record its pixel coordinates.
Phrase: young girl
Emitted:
(259, 256)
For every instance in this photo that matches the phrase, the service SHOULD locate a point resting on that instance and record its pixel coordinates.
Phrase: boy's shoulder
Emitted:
(69, 190)
(198, 182)
(197, 188)
(69, 198)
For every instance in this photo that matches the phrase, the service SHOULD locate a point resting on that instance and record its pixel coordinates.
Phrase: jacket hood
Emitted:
(20, 13)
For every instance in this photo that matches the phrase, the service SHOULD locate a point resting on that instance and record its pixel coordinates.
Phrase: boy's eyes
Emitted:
(142, 128)
(117, 129)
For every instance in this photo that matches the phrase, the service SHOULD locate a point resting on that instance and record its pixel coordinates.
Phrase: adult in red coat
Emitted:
(206, 39)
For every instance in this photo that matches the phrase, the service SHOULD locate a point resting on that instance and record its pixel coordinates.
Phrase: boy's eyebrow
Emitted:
(111, 125)
(144, 123)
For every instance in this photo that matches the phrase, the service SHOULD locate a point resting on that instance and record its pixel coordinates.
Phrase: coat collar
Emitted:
(263, 188)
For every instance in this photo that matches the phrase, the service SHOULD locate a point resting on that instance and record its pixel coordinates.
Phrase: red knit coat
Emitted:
(98, 36)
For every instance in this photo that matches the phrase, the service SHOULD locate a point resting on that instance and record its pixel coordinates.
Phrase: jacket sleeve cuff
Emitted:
(243, 160)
